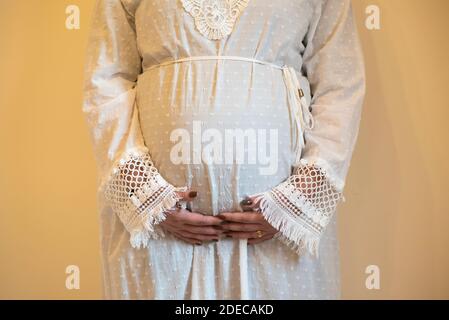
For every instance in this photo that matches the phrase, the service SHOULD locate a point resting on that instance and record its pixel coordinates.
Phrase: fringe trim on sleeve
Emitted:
(293, 233)
(143, 226)
(301, 207)
(140, 196)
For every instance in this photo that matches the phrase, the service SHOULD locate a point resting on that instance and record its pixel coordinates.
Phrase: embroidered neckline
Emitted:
(215, 19)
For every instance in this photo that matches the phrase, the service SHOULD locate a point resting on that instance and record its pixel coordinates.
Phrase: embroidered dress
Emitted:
(278, 86)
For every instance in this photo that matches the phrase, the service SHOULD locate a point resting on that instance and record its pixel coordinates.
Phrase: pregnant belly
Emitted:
(224, 148)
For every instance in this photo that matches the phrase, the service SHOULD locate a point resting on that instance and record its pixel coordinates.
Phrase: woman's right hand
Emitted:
(192, 227)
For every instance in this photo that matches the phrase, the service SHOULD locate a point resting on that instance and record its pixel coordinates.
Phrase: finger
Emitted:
(247, 204)
(267, 227)
(184, 215)
(239, 234)
(235, 226)
(199, 219)
(186, 239)
(172, 220)
(201, 237)
(252, 202)
(177, 213)
(188, 195)
(207, 230)
(259, 240)
(255, 200)
(243, 217)
(252, 207)
(180, 221)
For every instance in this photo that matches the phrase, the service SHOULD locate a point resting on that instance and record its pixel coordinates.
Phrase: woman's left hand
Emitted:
(249, 225)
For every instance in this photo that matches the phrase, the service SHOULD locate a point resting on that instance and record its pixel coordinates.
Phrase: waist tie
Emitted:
(302, 113)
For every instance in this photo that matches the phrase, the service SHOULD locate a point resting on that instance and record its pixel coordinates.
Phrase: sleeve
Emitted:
(129, 183)
(302, 206)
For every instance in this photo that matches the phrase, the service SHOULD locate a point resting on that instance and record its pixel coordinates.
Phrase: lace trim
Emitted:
(140, 196)
(301, 208)
(326, 170)
(214, 19)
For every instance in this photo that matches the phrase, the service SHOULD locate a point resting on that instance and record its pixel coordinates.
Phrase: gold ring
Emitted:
(259, 234)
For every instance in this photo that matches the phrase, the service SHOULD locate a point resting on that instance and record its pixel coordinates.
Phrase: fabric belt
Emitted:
(303, 119)
(302, 113)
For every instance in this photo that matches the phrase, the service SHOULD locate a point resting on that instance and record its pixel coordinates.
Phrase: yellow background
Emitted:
(396, 213)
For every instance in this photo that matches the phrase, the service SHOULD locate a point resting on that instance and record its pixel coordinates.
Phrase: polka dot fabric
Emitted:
(132, 112)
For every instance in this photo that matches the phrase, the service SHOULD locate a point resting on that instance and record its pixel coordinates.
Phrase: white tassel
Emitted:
(139, 238)
(148, 219)
(291, 233)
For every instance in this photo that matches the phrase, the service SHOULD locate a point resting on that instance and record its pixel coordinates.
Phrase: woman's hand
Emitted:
(249, 225)
(191, 227)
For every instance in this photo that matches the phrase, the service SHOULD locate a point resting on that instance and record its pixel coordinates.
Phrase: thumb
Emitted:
(188, 195)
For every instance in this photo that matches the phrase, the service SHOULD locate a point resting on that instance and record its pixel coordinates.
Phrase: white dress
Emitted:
(167, 81)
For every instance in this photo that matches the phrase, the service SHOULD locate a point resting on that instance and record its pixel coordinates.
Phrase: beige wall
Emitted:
(396, 214)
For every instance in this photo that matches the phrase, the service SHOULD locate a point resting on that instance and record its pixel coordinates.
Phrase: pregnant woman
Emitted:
(223, 132)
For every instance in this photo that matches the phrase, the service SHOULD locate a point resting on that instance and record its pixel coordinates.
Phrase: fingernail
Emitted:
(193, 194)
